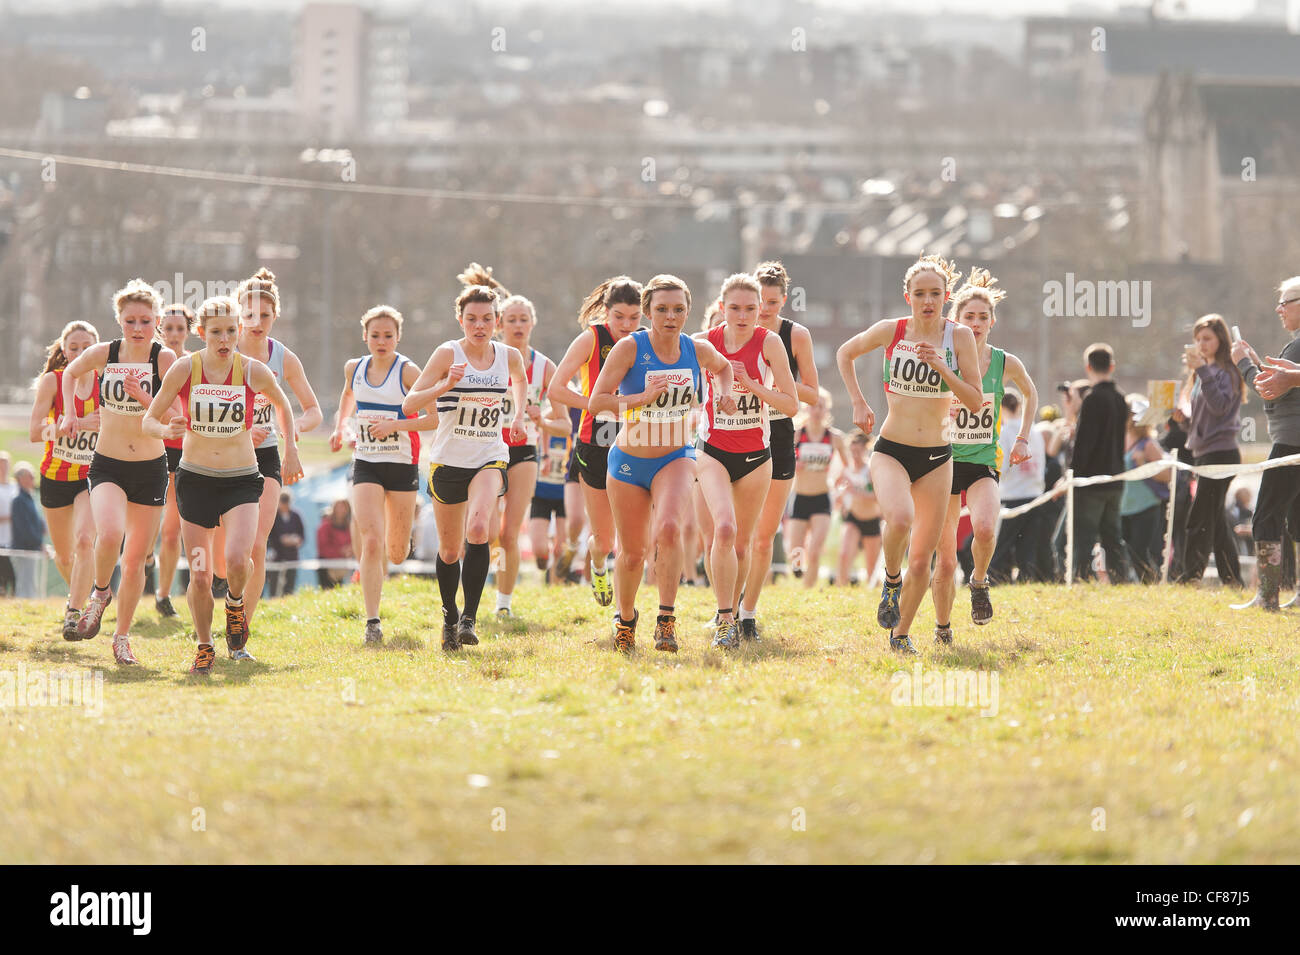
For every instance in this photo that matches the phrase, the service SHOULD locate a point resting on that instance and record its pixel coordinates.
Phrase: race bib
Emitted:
(79, 450)
(749, 411)
(908, 375)
(554, 465)
(675, 403)
(396, 445)
(970, 427)
(477, 418)
(113, 394)
(263, 413)
(218, 411)
(815, 456)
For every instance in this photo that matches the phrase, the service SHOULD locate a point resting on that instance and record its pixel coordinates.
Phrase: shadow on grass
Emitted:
(985, 657)
(159, 629)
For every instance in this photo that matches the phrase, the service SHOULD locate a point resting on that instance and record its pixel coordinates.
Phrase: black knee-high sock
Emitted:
(448, 582)
(477, 559)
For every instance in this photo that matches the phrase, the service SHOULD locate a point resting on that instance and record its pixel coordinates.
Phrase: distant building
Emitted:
(350, 71)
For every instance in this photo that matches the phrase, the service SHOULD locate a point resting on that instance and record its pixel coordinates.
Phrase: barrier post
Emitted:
(1169, 526)
(1069, 527)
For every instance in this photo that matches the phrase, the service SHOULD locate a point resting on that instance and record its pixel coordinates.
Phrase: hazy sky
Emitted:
(1198, 8)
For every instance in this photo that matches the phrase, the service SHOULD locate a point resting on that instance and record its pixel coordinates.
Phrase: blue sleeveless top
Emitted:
(683, 378)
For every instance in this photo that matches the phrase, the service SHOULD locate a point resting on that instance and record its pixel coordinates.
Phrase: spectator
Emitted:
(1098, 450)
(1174, 441)
(1142, 504)
(1214, 388)
(1049, 427)
(1018, 536)
(1239, 515)
(28, 532)
(7, 492)
(334, 542)
(287, 535)
(1276, 380)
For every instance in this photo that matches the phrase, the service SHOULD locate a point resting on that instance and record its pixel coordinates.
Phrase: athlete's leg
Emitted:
(602, 521)
(818, 527)
(59, 521)
(704, 520)
(747, 495)
(83, 551)
(141, 531)
(169, 543)
(242, 524)
(930, 496)
(671, 488)
(631, 503)
(558, 573)
(399, 517)
(796, 536)
(715, 486)
(943, 586)
(985, 503)
(368, 512)
(108, 502)
(199, 542)
(850, 543)
(266, 511)
(450, 519)
(893, 492)
(538, 529)
(871, 547)
(481, 512)
(769, 522)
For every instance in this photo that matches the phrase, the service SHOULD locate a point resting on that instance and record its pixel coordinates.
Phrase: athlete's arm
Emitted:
(579, 352)
(806, 387)
(152, 426)
(437, 378)
(556, 420)
(41, 406)
(711, 360)
(1014, 370)
(967, 386)
(92, 359)
(261, 380)
(877, 336)
(296, 379)
(518, 390)
(785, 397)
(347, 404)
(604, 396)
(841, 448)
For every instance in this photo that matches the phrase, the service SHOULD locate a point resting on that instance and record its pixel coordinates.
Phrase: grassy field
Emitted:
(1131, 725)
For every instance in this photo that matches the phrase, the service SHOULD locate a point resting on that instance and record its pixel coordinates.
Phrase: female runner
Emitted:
(65, 495)
(468, 379)
(128, 473)
(178, 324)
(652, 377)
(911, 466)
(386, 460)
(609, 313)
(816, 445)
(977, 454)
(736, 468)
(217, 481)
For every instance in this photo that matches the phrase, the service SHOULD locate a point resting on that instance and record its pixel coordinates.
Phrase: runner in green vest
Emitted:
(977, 454)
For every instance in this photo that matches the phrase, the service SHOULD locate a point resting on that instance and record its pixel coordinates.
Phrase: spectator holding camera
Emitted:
(1212, 393)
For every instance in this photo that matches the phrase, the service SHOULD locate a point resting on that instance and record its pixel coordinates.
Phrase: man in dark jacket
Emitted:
(1099, 449)
(29, 532)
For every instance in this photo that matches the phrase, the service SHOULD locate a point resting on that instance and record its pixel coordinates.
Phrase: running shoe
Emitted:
(164, 606)
(711, 623)
(564, 566)
(374, 635)
(726, 635)
(88, 625)
(749, 629)
(887, 614)
(625, 634)
(220, 587)
(943, 635)
(204, 660)
(981, 607)
(122, 651)
(601, 588)
(450, 640)
(70, 618)
(465, 634)
(242, 655)
(901, 644)
(236, 628)
(503, 613)
(666, 633)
